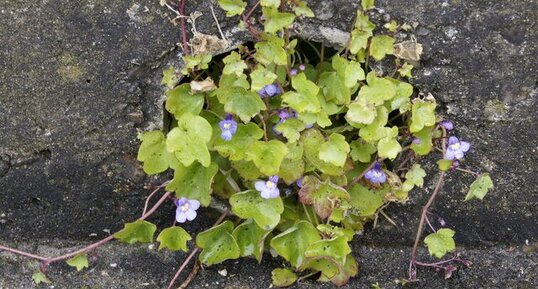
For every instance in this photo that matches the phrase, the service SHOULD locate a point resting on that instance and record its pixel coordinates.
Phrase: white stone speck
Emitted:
(223, 272)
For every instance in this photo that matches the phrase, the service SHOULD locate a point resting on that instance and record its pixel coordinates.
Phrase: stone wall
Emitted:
(79, 79)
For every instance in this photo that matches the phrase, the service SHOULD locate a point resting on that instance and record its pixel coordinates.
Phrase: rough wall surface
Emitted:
(79, 78)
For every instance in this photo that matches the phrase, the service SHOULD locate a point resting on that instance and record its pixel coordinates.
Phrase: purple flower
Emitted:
(376, 175)
(299, 182)
(456, 148)
(415, 140)
(302, 67)
(284, 114)
(269, 189)
(228, 128)
(447, 124)
(293, 72)
(269, 90)
(186, 209)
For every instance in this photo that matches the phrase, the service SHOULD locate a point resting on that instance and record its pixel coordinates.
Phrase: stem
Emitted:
(151, 195)
(246, 19)
(183, 26)
(193, 253)
(430, 224)
(321, 59)
(191, 276)
(413, 258)
(48, 260)
(468, 171)
(230, 181)
(264, 127)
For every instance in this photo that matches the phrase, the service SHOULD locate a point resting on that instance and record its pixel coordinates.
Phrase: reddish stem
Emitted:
(192, 254)
(183, 26)
(48, 260)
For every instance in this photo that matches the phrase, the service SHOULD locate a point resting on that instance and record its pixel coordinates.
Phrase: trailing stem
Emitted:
(192, 255)
(46, 261)
(413, 259)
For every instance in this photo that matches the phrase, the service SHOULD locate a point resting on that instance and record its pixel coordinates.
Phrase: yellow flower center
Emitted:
(227, 125)
(456, 146)
(185, 207)
(270, 184)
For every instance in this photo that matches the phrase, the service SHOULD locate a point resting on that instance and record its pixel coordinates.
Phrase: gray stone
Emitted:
(81, 78)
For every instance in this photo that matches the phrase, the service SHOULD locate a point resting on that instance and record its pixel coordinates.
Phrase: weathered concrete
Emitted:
(80, 77)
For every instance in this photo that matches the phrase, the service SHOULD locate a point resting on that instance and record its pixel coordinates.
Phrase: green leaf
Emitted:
(360, 112)
(217, 244)
(189, 140)
(291, 129)
(38, 277)
(174, 239)
(301, 9)
(362, 22)
(196, 62)
(247, 170)
(306, 97)
(353, 74)
(381, 46)
(362, 151)
(234, 64)
(170, 77)
(270, 3)
(250, 204)
(423, 114)
(79, 261)
(365, 200)
(444, 165)
(261, 77)
(154, 154)
(336, 248)
(406, 70)
(137, 231)
(335, 150)
(367, 4)
(359, 40)
(292, 167)
(440, 242)
(243, 103)
(349, 270)
(194, 182)
(271, 51)
(236, 148)
(322, 195)
(376, 130)
(232, 7)
(292, 243)
(388, 147)
(334, 88)
(378, 90)
(231, 80)
(267, 156)
(250, 239)
(414, 177)
(311, 141)
(424, 137)
(283, 277)
(180, 101)
(480, 187)
(275, 20)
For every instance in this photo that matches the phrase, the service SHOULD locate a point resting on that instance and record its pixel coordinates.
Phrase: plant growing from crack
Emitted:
(305, 148)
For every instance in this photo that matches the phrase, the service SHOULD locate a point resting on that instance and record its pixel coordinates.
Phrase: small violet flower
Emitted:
(376, 175)
(299, 182)
(228, 128)
(269, 90)
(268, 189)
(284, 114)
(302, 67)
(293, 71)
(447, 124)
(186, 209)
(456, 148)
